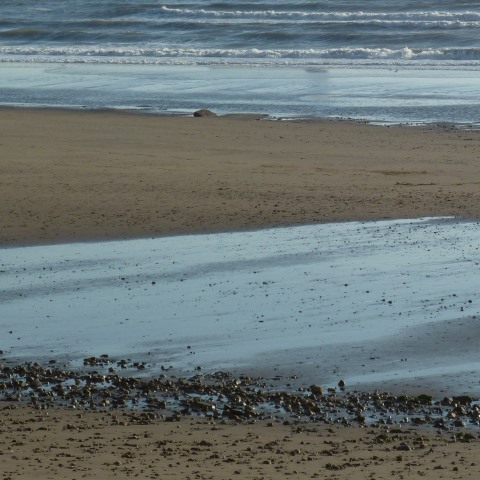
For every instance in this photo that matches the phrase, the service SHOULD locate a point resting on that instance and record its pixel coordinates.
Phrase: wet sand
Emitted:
(389, 305)
(69, 176)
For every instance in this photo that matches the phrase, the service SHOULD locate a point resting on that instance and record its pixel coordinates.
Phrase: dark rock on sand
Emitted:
(316, 390)
(204, 113)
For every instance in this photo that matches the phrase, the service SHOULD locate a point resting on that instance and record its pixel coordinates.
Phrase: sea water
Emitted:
(378, 60)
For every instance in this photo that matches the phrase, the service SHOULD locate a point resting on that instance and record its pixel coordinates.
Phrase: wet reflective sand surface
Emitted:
(389, 305)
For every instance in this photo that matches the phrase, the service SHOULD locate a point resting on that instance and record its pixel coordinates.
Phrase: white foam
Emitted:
(431, 16)
(438, 58)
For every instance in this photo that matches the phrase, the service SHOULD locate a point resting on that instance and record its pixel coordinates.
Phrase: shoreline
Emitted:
(111, 175)
(319, 92)
(247, 116)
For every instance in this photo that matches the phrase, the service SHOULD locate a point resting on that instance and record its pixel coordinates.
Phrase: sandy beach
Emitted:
(84, 176)
(68, 444)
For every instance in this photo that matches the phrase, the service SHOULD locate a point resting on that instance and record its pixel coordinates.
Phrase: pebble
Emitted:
(220, 395)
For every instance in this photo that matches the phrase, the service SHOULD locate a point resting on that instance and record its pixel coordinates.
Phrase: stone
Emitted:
(316, 390)
(462, 400)
(204, 113)
(424, 399)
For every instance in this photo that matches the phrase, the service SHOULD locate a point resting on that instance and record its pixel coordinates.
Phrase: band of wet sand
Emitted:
(70, 176)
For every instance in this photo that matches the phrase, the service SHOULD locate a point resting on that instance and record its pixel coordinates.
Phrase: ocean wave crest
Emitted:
(461, 16)
(119, 53)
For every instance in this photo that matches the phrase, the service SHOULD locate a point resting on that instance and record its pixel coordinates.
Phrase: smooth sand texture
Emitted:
(83, 176)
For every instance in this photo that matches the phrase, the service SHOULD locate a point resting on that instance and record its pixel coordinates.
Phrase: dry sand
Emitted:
(82, 176)
(68, 176)
(69, 444)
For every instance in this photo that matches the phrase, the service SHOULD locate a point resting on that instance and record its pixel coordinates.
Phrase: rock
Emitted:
(424, 399)
(204, 113)
(462, 400)
(316, 390)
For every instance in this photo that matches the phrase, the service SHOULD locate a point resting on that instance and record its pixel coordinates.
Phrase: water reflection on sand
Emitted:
(391, 304)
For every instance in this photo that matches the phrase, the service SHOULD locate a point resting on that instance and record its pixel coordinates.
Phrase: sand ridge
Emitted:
(93, 175)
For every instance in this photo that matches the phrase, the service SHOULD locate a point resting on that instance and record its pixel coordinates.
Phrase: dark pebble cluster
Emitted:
(220, 395)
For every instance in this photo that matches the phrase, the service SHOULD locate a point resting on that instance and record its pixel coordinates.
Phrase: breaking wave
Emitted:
(87, 54)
